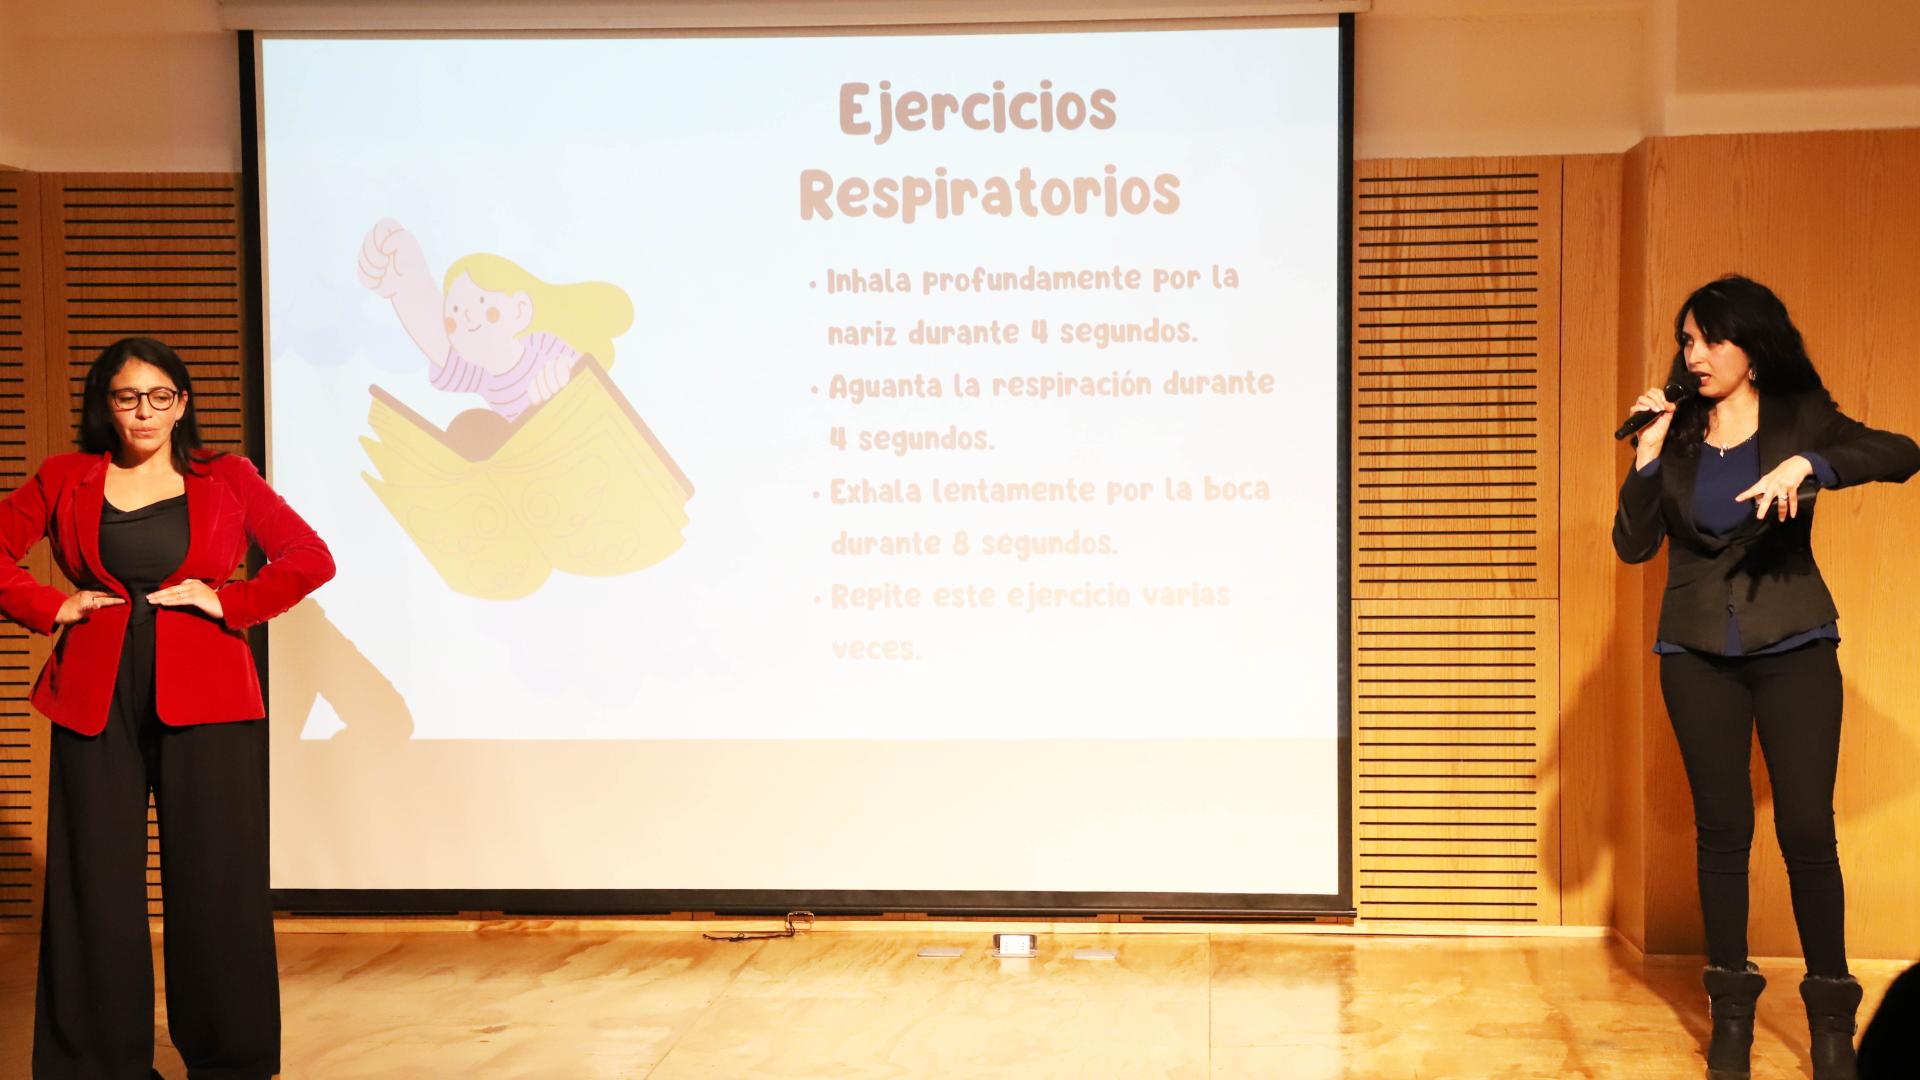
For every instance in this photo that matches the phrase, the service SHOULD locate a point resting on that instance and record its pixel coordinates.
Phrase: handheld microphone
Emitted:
(1677, 391)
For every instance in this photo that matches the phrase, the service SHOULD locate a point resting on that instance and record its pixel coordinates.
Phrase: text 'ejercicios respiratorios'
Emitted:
(885, 116)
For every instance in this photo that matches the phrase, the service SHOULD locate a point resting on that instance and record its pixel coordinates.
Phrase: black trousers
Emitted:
(94, 1004)
(1793, 699)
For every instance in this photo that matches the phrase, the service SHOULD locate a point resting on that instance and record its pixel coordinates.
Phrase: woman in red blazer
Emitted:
(152, 688)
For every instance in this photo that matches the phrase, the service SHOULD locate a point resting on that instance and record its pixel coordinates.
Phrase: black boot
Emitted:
(1831, 1004)
(1730, 998)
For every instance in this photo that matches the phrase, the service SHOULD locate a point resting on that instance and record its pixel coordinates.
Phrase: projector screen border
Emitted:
(579, 903)
(958, 903)
(602, 17)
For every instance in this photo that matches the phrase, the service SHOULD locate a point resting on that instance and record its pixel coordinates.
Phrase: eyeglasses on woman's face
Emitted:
(161, 398)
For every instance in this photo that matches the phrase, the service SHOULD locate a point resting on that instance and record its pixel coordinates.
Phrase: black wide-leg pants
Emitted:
(94, 1004)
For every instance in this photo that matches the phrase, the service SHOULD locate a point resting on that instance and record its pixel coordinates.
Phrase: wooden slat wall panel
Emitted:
(148, 255)
(1456, 300)
(1456, 402)
(23, 735)
(1455, 711)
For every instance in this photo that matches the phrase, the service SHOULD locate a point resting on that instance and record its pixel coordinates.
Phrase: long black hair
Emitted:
(98, 435)
(1747, 313)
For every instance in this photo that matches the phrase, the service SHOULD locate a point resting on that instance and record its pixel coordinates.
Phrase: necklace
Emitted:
(1723, 449)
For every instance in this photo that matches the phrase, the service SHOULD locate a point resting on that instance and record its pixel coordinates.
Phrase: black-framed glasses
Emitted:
(160, 397)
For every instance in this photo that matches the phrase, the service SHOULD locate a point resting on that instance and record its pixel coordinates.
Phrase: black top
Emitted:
(1762, 573)
(142, 547)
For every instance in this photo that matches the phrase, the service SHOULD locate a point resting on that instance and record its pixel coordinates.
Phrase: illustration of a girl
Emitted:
(490, 327)
(558, 471)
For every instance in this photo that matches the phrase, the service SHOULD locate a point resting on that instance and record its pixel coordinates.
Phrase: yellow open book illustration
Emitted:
(577, 483)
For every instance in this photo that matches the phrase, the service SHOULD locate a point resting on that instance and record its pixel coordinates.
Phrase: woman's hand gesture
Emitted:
(82, 604)
(1779, 489)
(192, 593)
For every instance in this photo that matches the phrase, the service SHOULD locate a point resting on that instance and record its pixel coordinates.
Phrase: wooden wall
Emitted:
(23, 441)
(1519, 308)
(1829, 221)
(1512, 760)
(1638, 733)
(1454, 526)
(86, 259)
(1592, 641)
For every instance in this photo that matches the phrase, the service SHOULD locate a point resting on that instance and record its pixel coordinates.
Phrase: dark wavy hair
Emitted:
(98, 435)
(1747, 313)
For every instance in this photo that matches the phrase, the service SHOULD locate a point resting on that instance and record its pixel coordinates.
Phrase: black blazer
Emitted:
(1763, 571)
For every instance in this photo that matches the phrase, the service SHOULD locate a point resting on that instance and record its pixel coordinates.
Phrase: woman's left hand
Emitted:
(190, 593)
(1779, 489)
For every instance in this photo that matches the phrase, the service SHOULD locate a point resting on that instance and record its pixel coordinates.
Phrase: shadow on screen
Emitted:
(370, 708)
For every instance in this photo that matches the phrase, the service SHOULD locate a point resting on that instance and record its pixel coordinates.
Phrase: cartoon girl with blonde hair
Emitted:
(490, 327)
(558, 472)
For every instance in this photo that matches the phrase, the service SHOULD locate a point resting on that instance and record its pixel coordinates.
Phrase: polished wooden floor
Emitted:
(581, 1006)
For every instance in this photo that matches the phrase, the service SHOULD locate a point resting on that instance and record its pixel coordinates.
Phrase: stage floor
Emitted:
(581, 1006)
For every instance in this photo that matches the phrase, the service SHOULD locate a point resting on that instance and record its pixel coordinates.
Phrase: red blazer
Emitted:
(203, 670)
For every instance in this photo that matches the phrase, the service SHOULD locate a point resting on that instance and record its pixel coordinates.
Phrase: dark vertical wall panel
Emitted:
(142, 255)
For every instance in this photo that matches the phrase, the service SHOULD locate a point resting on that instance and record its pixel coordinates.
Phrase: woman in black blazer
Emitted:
(1748, 632)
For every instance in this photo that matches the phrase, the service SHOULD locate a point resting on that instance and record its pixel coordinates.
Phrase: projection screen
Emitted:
(887, 472)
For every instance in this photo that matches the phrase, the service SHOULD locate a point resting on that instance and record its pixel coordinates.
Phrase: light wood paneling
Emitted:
(1589, 574)
(1635, 592)
(149, 255)
(1829, 221)
(1454, 715)
(23, 734)
(1455, 367)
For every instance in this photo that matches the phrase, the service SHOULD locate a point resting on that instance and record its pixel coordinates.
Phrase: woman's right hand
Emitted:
(82, 604)
(1654, 435)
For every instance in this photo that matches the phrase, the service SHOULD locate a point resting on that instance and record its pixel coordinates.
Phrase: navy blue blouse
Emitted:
(1721, 476)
